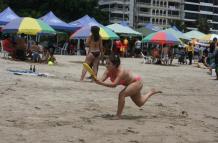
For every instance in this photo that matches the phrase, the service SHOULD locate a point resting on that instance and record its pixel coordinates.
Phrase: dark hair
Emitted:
(115, 60)
(95, 32)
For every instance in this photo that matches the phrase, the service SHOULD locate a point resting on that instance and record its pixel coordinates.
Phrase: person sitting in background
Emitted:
(8, 45)
(164, 54)
(21, 46)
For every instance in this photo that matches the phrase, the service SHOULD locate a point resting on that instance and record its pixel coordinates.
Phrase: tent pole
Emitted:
(78, 47)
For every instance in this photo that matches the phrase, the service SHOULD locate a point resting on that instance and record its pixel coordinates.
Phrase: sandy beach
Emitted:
(60, 109)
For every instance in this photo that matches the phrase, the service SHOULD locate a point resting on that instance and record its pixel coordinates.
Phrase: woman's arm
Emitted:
(104, 76)
(113, 84)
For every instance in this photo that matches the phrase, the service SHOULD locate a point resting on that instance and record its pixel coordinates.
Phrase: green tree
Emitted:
(203, 25)
(179, 24)
(67, 10)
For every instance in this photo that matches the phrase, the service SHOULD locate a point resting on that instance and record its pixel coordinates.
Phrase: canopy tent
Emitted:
(152, 27)
(194, 34)
(85, 31)
(124, 23)
(177, 34)
(123, 30)
(56, 23)
(209, 37)
(175, 28)
(7, 15)
(161, 37)
(29, 26)
(82, 21)
(145, 31)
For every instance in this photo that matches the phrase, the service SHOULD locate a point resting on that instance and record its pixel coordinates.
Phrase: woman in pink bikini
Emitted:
(120, 76)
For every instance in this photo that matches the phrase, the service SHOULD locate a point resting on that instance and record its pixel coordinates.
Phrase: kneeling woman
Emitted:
(120, 76)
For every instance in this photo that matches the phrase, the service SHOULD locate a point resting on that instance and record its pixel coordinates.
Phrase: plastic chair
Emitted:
(64, 49)
(4, 53)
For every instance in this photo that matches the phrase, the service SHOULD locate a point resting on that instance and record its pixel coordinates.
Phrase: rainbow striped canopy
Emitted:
(85, 31)
(161, 37)
(29, 26)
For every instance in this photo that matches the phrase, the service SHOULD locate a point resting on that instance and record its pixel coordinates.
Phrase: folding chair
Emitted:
(4, 53)
(64, 49)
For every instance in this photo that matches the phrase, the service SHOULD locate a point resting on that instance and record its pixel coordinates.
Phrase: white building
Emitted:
(161, 12)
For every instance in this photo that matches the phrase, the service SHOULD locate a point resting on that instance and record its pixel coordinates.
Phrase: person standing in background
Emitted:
(190, 51)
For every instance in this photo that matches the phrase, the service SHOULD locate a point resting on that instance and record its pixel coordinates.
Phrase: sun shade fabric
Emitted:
(57, 23)
(28, 25)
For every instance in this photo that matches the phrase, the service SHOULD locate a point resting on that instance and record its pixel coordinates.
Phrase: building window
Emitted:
(161, 3)
(191, 7)
(191, 16)
(206, 8)
(207, 1)
(153, 11)
(215, 18)
(194, 1)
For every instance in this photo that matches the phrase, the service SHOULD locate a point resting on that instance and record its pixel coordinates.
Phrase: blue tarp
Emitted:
(56, 23)
(7, 15)
(83, 21)
(175, 28)
(152, 27)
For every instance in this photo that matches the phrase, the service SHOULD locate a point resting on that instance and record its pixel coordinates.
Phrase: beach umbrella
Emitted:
(85, 31)
(161, 37)
(29, 26)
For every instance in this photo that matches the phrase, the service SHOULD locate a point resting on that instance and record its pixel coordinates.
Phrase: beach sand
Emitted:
(60, 109)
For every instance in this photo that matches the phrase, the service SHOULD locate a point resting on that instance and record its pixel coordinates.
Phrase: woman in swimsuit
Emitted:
(120, 76)
(94, 42)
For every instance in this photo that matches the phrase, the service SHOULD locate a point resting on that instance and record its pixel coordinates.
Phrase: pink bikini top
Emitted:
(122, 82)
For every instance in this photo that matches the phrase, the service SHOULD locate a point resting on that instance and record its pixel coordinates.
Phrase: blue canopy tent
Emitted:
(152, 27)
(175, 28)
(7, 15)
(83, 21)
(56, 23)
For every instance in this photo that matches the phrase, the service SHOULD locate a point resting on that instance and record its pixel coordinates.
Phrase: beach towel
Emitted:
(29, 73)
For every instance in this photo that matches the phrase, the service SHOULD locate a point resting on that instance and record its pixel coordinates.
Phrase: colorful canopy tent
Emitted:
(177, 34)
(161, 37)
(82, 21)
(123, 30)
(85, 31)
(194, 34)
(209, 37)
(29, 26)
(7, 15)
(152, 27)
(56, 23)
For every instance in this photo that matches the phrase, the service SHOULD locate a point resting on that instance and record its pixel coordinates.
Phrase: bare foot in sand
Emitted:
(153, 92)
